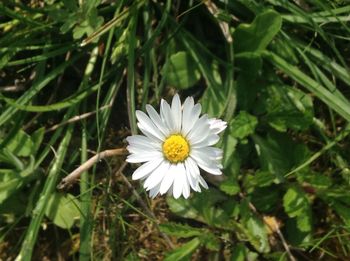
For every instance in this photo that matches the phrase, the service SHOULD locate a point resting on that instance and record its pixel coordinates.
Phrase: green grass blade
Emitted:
(131, 72)
(26, 251)
(70, 101)
(30, 93)
(339, 105)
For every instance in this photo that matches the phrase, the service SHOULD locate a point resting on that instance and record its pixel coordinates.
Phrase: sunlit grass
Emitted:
(74, 72)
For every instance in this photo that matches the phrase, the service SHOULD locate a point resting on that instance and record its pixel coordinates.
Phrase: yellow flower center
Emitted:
(176, 148)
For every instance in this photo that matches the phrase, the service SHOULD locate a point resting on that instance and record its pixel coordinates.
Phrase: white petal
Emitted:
(186, 189)
(143, 157)
(166, 115)
(139, 149)
(203, 183)
(192, 167)
(191, 116)
(143, 141)
(157, 175)
(217, 125)
(211, 140)
(146, 132)
(186, 113)
(157, 120)
(190, 178)
(176, 111)
(154, 191)
(208, 152)
(180, 180)
(168, 179)
(206, 164)
(146, 169)
(146, 123)
(200, 130)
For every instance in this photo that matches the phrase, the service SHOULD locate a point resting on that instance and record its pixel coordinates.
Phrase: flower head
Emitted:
(176, 143)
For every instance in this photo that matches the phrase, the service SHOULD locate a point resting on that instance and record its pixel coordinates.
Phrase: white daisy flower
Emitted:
(174, 146)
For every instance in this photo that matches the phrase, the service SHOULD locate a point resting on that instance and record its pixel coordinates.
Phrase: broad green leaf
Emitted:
(334, 101)
(249, 64)
(229, 146)
(184, 252)
(239, 253)
(179, 230)
(275, 158)
(202, 207)
(254, 228)
(230, 186)
(183, 208)
(243, 125)
(264, 178)
(63, 210)
(37, 138)
(10, 181)
(21, 144)
(294, 235)
(257, 35)
(266, 199)
(242, 253)
(316, 180)
(288, 108)
(210, 241)
(277, 256)
(181, 71)
(296, 205)
(258, 234)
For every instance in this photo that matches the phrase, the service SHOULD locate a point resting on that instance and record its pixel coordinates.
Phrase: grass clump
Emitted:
(74, 72)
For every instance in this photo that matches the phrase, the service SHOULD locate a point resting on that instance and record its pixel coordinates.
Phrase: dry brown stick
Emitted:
(212, 8)
(78, 118)
(275, 228)
(285, 244)
(75, 175)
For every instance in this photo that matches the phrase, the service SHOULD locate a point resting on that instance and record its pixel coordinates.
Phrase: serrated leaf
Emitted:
(254, 228)
(243, 125)
(257, 35)
(239, 253)
(297, 205)
(181, 71)
(264, 178)
(63, 210)
(179, 230)
(184, 252)
(210, 241)
(294, 235)
(230, 186)
(258, 234)
(315, 179)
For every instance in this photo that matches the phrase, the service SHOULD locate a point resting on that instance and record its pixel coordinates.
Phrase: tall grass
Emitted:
(74, 72)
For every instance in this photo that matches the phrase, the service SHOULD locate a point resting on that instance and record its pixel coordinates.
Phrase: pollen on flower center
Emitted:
(176, 148)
